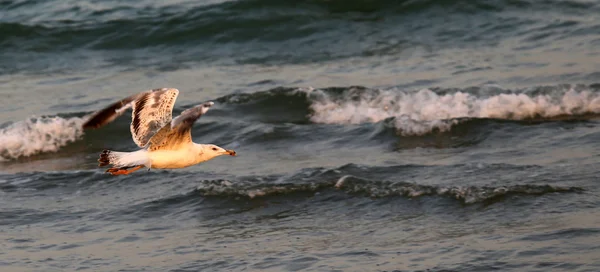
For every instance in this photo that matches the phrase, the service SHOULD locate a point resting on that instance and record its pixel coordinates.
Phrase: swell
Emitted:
(216, 195)
(183, 192)
(407, 181)
(379, 189)
(89, 25)
(360, 181)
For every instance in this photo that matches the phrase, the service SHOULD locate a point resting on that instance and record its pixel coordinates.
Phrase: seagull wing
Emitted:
(151, 111)
(110, 113)
(179, 130)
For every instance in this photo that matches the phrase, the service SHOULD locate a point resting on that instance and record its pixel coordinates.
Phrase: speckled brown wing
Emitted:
(151, 111)
(179, 130)
(110, 113)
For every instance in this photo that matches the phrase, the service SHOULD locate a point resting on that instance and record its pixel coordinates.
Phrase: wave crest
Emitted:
(377, 189)
(417, 113)
(37, 135)
(466, 194)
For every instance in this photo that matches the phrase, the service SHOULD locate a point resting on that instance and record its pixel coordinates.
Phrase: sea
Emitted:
(371, 135)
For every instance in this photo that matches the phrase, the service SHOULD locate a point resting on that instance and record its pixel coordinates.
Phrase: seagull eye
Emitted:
(214, 149)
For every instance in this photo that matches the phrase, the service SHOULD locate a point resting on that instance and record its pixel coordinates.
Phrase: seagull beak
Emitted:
(230, 152)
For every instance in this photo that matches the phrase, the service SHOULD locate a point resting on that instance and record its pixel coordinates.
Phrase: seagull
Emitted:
(165, 142)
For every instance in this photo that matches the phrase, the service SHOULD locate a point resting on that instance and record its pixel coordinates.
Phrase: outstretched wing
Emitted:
(110, 113)
(151, 111)
(179, 131)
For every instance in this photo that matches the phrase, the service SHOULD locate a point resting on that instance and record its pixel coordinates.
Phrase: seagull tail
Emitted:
(123, 159)
(104, 158)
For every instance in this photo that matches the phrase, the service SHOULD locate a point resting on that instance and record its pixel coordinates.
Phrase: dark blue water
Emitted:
(371, 135)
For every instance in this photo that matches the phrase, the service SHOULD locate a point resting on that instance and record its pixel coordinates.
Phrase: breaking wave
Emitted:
(420, 112)
(37, 135)
(417, 112)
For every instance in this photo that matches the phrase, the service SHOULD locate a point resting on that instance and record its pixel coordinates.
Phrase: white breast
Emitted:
(172, 158)
(178, 158)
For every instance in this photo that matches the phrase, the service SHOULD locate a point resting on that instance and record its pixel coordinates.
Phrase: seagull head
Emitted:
(215, 150)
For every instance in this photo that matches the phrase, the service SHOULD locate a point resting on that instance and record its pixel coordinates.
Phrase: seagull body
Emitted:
(166, 142)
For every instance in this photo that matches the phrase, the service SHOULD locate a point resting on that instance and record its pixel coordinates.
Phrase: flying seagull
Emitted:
(165, 142)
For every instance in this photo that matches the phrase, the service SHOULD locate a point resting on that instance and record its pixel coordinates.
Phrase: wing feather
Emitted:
(151, 111)
(110, 113)
(179, 130)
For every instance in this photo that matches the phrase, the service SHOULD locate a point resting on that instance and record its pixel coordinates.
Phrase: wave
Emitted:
(407, 113)
(323, 25)
(154, 26)
(376, 189)
(37, 135)
(360, 105)
(421, 112)
(374, 181)
(279, 105)
(352, 179)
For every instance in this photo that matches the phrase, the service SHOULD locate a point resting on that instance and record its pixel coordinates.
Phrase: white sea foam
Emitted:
(37, 135)
(420, 112)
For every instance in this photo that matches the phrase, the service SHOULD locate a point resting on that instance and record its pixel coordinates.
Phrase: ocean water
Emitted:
(373, 135)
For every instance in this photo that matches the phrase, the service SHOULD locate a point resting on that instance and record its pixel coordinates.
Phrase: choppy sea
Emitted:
(376, 135)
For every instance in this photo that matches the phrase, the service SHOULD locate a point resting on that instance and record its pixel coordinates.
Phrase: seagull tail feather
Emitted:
(123, 159)
(104, 158)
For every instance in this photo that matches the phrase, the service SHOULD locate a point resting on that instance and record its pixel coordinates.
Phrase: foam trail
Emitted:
(37, 135)
(420, 112)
